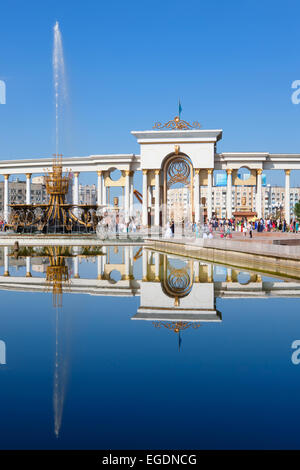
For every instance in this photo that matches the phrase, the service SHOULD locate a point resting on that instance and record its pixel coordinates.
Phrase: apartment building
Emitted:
(87, 194)
(243, 197)
(17, 192)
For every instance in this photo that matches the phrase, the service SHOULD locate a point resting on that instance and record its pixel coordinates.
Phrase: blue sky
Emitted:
(231, 63)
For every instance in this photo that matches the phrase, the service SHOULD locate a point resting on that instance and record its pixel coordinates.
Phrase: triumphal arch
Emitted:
(173, 154)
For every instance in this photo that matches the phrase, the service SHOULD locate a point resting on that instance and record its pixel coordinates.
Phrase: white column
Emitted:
(209, 273)
(127, 263)
(104, 260)
(76, 192)
(131, 198)
(157, 198)
(209, 193)
(197, 196)
(104, 198)
(196, 271)
(76, 267)
(156, 263)
(76, 188)
(28, 188)
(149, 196)
(131, 262)
(145, 200)
(5, 198)
(99, 188)
(99, 267)
(127, 195)
(287, 197)
(258, 199)
(28, 266)
(6, 262)
(145, 264)
(229, 194)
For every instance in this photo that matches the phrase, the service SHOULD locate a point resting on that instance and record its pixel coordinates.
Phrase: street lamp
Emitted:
(278, 206)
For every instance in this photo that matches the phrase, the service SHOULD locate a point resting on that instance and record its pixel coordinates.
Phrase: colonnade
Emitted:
(103, 263)
(103, 193)
(152, 267)
(198, 199)
(158, 185)
(258, 199)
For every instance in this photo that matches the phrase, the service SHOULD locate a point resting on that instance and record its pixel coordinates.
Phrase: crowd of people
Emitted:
(225, 227)
(259, 225)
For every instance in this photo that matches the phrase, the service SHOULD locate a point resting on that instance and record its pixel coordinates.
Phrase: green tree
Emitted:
(297, 210)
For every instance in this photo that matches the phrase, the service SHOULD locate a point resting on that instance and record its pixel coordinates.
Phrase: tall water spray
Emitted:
(60, 94)
(59, 82)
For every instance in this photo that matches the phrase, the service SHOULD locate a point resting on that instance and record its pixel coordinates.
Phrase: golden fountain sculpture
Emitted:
(57, 216)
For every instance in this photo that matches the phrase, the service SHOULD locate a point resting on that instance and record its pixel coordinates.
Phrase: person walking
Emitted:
(250, 229)
(284, 226)
(172, 228)
(168, 232)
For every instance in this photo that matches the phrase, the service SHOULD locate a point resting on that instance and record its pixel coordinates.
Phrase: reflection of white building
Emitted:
(2, 352)
(198, 305)
(171, 290)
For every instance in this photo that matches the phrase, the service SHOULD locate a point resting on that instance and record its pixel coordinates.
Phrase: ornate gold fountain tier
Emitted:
(56, 182)
(56, 216)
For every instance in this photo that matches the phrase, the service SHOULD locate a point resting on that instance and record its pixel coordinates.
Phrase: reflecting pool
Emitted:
(122, 347)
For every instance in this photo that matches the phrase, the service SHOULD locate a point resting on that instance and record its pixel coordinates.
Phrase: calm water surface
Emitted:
(126, 348)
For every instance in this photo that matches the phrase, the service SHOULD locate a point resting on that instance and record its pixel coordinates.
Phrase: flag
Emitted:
(179, 108)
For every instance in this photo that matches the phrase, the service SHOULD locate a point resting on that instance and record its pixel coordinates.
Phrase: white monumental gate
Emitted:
(174, 155)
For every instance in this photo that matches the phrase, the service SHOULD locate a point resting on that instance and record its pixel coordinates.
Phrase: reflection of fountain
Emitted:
(61, 367)
(57, 279)
(57, 274)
